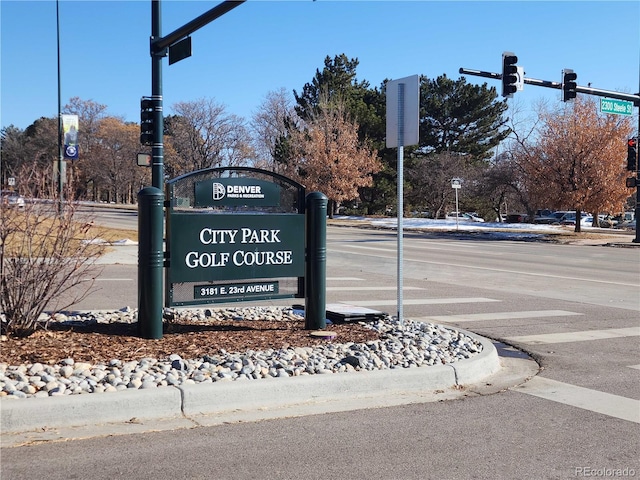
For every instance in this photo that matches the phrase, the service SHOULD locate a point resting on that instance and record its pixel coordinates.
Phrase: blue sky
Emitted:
(262, 46)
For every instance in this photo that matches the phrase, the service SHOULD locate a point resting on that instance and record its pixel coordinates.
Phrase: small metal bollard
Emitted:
(150, 262)
(316, 262)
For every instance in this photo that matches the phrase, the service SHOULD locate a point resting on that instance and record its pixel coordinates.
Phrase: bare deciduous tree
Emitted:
(577, 161)
(330, 158)
(430, 181)
(113, 159)
(90, 115)
(47, 261)
(206, 136)
(269, 125)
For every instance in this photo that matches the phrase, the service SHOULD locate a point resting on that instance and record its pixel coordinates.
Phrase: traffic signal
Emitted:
(569, 84)
(509, 74)
(148, 107)
(632, 155)
(631, 182)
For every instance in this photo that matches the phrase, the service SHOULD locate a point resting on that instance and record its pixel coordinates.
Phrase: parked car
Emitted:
(516, 218)
(464, 217)
(544, 216)
(548, 219)
(570, 219)
(604, 221)
(12, 199)
(473, 216)
(559, 215)
(629, 225)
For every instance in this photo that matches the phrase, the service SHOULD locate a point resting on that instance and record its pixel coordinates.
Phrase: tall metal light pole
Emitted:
(60, 151)
(157, 152)
(637, 209)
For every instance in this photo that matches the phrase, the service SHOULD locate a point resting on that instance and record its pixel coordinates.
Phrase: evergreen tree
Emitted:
(459, 117)
(365, 106)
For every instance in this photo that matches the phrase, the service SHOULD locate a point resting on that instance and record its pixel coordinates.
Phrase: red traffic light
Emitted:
(632, 155)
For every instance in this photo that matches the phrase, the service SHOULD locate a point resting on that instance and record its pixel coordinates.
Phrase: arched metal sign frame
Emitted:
(234, 234)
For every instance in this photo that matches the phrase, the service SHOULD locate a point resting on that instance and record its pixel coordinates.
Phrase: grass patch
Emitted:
(34, 232)
(114, 234)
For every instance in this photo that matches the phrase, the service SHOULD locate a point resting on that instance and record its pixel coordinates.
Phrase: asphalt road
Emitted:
(573, 308)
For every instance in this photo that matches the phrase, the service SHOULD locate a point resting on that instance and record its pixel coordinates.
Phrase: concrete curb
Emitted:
(250, 397)
(21, 415)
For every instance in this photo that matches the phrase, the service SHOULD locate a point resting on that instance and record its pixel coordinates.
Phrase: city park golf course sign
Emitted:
(234, 234)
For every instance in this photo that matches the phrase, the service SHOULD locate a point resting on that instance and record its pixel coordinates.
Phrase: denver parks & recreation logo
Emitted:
(223, 192)
(218, 191)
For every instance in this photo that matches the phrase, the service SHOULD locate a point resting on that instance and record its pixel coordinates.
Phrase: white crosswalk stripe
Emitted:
(475, 317)
(585, 398)
(422, 301)
(565, 337)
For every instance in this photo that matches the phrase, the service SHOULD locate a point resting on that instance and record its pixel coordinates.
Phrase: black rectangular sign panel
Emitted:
(207, 248)
(229, 290)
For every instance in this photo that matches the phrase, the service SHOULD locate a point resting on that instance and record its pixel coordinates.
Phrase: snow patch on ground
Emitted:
(499, 230)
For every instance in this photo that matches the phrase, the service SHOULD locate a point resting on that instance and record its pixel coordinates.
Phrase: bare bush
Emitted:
(47, 261)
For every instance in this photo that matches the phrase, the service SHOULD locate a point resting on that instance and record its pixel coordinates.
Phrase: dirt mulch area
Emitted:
(101, 342)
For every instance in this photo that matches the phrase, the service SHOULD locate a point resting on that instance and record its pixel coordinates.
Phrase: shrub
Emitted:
(47, 261)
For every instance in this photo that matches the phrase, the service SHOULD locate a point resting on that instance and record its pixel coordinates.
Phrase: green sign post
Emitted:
(618, 107)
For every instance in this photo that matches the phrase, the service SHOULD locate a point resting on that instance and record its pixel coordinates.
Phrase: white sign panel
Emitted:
(403, 105)
(520, 77)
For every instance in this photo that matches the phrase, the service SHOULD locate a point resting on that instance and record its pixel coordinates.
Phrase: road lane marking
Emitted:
(350, 279)
(565, 337)
(637, 367)
(490, 269)
(477, 317)
(423, 301)
(363, 289)
(585, 398)
(108, 279)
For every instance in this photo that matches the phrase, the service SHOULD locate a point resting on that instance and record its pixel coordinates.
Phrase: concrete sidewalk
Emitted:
(187, 406)
(124, 253)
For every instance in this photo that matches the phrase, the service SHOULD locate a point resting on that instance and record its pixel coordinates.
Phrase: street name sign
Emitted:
(618, 107)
